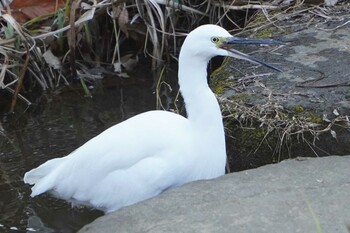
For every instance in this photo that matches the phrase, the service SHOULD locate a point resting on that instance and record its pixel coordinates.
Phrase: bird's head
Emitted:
(208, 41)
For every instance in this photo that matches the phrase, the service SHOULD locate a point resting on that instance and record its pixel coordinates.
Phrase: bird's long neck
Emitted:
(201, 105)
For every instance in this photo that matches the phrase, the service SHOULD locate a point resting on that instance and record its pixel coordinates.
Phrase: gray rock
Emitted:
(315, 63)
(300, 195)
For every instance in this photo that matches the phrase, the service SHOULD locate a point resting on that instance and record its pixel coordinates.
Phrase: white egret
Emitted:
(153, 151)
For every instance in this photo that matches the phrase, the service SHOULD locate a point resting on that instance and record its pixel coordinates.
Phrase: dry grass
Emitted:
(276, 120)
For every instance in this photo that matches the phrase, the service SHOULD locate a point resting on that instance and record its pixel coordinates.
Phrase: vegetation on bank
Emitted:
(45, 44)
(265, 124)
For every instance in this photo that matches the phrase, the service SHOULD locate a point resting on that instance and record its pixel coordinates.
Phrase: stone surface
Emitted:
(300, 195)
(315, 62)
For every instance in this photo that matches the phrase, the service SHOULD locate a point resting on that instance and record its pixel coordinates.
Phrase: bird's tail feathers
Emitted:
(43, 185)
(36, 174)
(40, 177)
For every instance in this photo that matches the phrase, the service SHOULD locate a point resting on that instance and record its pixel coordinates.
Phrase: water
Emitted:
(54, 128)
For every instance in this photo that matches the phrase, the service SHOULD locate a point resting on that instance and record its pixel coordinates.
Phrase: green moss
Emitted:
(314, 118)
(311, 116)
(299, 108)
(240, 97)
(219, 79)
(221, 85)
(258, 133)
(249, 138)
(251, 143)
(259, 19)
(267, 32)
(263, 31)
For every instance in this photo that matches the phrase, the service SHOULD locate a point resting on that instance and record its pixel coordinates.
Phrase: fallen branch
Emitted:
(246, 7)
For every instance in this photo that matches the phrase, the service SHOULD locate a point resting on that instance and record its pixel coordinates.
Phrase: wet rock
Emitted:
(299, 195)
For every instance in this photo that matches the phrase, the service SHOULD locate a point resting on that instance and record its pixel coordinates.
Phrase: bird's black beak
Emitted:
(227, 45)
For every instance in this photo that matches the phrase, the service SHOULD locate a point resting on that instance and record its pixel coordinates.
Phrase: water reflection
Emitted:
(52, 129)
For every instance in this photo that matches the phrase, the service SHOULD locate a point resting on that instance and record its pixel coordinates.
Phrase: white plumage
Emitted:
(153, 151)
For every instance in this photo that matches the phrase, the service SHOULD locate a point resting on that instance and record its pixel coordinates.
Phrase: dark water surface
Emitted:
(54, 128)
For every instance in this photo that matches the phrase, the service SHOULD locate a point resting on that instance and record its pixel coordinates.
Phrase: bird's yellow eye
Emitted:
(215, 40)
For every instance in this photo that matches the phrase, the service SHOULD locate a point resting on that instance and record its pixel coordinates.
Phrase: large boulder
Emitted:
(299, 195)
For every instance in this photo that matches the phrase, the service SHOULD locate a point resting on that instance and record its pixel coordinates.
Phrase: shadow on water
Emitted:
(54, 128)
